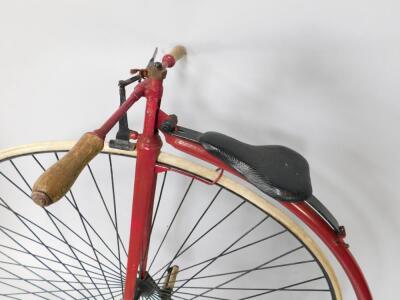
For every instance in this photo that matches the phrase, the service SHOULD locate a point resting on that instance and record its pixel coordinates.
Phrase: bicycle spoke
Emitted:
(87, 243)
(10, 297)
(233, 251)
(49, 233)
(172, 221)
(158, 202)
(41, 242)
(55, 250)
(106, 208)
(20, 174)
(24, 218)
(25, 292)
(25, 280)
(75, 256)
(29, 268)
(53, 280)
(65, 266)
(58, 230)
(190, 233)
(226, 249)
(90, 240)
(243, 271)
(50, 260)
(84, 222)
(206, 232)
(47, 269)
(115, 216)
(107, 293)
(178, 297)
(83, 217)
(38, 258)
(115, 290)
(249, 271)
(197, 295)
(284, 288)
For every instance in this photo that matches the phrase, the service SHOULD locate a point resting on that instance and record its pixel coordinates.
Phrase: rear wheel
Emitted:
(208, 241)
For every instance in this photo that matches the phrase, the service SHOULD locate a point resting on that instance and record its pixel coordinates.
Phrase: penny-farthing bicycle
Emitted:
(206, 229)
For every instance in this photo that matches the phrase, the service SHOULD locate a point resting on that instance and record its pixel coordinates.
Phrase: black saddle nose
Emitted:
(280, 172)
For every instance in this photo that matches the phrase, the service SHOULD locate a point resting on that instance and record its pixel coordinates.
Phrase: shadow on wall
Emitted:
(317, 95)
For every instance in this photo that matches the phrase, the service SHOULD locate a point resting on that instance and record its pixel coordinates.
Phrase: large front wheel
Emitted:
(208, 241)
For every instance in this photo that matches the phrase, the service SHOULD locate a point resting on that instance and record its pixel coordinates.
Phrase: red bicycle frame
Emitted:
(148, 147)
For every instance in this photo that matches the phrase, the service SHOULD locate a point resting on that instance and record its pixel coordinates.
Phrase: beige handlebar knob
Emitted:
(178, 52)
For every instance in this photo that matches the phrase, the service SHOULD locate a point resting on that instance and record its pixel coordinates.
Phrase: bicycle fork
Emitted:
(148, 149)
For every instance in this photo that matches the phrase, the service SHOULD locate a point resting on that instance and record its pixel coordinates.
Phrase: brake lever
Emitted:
(124, 83)
(153, 57)
(143, 73)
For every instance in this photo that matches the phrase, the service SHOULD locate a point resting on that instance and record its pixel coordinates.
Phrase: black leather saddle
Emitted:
(276, 170)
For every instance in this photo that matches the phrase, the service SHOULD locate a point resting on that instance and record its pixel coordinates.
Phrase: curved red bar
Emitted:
(335, 242)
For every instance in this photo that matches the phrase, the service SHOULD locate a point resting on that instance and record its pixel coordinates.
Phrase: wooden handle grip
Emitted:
(56, 181)
(178, 52)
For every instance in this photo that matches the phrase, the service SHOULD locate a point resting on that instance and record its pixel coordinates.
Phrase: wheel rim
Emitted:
(229, 249)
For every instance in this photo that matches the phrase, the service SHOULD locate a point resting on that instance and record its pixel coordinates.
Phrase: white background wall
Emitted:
(318, 76)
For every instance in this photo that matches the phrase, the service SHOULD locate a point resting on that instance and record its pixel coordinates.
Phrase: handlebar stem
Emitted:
(152, 88)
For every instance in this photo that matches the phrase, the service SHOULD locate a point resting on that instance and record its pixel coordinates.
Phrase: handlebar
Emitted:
(176, 54)
(55, 182)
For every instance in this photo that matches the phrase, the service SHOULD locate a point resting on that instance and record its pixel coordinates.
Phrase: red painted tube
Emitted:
(198, 151)
(335, 242)
(148, 149)
(106, 127)
(168, 61)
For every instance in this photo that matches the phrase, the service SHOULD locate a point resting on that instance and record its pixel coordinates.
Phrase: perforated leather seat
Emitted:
(276, 170)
